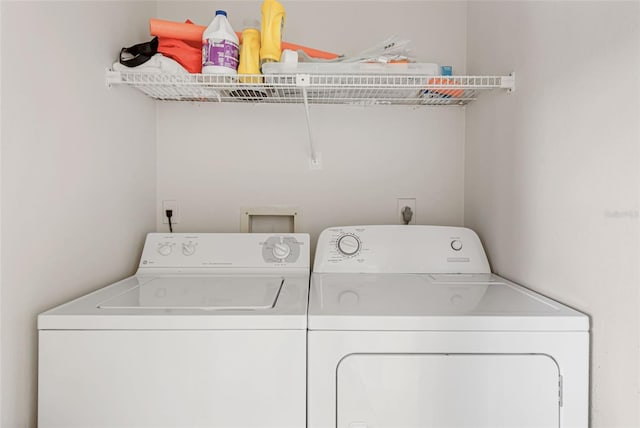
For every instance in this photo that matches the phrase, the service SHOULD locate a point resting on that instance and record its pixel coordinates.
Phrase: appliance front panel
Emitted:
(447, 390)
(346, 390)
(107, 379)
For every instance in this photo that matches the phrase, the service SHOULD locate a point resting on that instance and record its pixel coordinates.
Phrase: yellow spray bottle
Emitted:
(250, 52)
(273, 17)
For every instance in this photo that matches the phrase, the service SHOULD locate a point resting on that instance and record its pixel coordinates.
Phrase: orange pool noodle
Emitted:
(189, 31)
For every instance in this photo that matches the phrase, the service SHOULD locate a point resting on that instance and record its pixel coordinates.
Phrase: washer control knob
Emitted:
(188, 248)
(165, 249)
(456, 245)
(348, 245)
(281, 250)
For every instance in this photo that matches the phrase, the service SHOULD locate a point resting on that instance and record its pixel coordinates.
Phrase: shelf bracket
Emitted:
(302, 81)
(509, 82)
(112, 77)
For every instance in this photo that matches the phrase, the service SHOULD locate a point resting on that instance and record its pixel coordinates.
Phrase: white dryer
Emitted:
(409, 328)
(210, 332)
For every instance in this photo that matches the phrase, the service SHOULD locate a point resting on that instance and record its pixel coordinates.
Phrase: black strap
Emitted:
(141, 53)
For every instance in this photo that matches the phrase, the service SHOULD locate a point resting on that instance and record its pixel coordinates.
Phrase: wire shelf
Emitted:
(357, 89)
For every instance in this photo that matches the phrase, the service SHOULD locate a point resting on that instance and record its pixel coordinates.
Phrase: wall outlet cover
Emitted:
(173, 206)
(401, 205)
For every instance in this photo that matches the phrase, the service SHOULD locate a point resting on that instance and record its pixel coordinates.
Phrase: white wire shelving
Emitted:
(296, 88)
(412, 90)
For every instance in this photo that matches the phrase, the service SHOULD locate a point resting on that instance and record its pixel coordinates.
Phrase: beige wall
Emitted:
(215, 159)
(78, 170)
(552, 171)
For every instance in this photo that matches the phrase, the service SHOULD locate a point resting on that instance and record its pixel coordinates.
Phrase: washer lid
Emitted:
(205, 293)
(188, 302)
(433, 302)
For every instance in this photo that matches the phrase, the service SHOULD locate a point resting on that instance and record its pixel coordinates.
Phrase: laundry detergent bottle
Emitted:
(250, 52)
(220, 47)
(273, 17)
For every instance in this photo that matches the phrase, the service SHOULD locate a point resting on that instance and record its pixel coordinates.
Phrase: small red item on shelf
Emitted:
(449, 93)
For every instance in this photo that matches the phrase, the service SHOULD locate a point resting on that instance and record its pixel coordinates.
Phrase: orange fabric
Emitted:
(193, 33)
(187, 54)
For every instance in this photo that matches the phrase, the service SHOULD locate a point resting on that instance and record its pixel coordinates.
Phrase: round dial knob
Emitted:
(281, 250)
(456, 244)
(165, 249)
(188, 249)
(348, 245)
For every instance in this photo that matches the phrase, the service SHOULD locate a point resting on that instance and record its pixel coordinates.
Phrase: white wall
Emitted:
(552, 171)
(550, 180)
(1, 379)
(215, 159)
(78, 170)
(1, 383)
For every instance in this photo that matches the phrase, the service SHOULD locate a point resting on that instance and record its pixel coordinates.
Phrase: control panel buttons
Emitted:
(348, 245)
(188, 248)
(165, 248)
(456, 245)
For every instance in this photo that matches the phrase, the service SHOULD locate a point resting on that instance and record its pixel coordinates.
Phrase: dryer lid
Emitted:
(433, 302)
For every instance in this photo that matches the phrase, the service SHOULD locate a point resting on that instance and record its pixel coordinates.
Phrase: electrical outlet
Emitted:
(173, 206)
(406, 202)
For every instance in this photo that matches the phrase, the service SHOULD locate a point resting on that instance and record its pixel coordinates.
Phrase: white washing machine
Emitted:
(409, 328)
(210, 332)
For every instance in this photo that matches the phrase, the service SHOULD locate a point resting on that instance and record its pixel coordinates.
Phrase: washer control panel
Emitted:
(281, 249)
(225, 250)
(400, 249)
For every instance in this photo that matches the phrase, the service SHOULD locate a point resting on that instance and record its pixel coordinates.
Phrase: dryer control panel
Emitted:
(400, 249)
(225, 250)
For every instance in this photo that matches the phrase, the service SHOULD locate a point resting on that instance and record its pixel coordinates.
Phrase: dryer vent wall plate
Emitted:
(270, 220)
